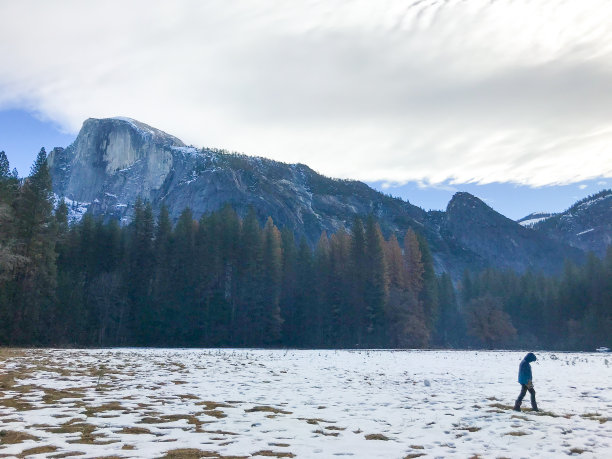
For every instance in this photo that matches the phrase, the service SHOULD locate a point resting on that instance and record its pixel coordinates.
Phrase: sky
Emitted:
(509, 100)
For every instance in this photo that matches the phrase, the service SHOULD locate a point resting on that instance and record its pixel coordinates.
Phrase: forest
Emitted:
(228, 280)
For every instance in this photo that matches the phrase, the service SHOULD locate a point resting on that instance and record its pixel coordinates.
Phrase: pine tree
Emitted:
(272, 284)
(35, 280)
(358, 274)
(249, 311)
(288, 284)
(376, 282)
(315, 320)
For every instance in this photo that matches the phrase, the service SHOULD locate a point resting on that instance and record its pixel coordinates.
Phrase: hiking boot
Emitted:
(517, 406)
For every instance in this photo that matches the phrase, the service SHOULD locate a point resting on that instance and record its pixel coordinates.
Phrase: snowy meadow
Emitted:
(256, 403)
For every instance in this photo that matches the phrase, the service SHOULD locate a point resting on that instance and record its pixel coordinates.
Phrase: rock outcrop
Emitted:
(587, 225)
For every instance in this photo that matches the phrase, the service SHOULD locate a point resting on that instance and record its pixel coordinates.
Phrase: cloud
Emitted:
(438, 92)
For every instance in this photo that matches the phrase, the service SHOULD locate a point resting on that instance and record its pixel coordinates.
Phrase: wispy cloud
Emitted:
(439, 92)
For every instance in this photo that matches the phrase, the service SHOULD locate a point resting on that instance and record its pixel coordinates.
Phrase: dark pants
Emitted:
(519, 400)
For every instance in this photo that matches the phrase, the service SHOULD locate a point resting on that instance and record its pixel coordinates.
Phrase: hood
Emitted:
(530, 357)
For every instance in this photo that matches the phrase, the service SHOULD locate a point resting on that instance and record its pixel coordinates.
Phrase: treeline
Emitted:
(570, 312)
(224, 280)
(219, 281)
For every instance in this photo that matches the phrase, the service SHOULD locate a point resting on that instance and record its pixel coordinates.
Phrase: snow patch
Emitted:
(585, 232)
(323, 403)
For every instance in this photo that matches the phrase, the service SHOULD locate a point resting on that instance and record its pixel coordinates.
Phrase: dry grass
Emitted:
(88, 437)
(215, 414)
(267, 409)
(7, 380)
(54, 395)
(17, 404)
(577, 451)
(468, 428)
(38, 450)
(208, 405)
(91, 411)
(135, 431)
(327, 434)
(315, 421)
(335, 428)
(10, 437)
(377, 437)
(68, 454)
(193, 453)
(413, 455)
(269, 453)
(595, 417)
(516, 433)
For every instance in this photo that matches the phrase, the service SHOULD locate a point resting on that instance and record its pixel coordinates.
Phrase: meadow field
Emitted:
(231, 403)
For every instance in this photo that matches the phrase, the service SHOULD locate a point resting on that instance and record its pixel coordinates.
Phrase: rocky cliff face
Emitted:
(587, 225)
(492, 236)
(114, 161)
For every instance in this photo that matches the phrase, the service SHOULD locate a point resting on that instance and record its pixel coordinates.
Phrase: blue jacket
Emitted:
(524, 375)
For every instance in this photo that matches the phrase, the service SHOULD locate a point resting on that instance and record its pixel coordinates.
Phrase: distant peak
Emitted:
(142, 129)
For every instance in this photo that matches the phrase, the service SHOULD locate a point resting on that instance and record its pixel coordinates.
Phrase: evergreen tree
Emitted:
(376, 282)
(271, 284)
(358, 274)
(35, 232)
(250, 308)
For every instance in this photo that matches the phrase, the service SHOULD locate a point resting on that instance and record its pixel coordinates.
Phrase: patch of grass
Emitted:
(377, 437)
(88, 437)
(501, 406)
(269, 453)
(38, 450)
(315, 421)
(188, 397)
(417, 447)
(111, 406)
(335, 428)
(190, 418)
(68, 454)
(7, 380)
(153, 420)
(215, 414)
(10, 437)
(413, 455)
(523, 418)
(280, 445)
(327, 434)
(208, 405)
(549, 413)
(595, 417)
(516, 433)
(468, 428)
(220, 432)
(54, 395)
(193, 453)
(577, 451)
(134, 431)
(267, 409)
(17, 404)
(128, 447)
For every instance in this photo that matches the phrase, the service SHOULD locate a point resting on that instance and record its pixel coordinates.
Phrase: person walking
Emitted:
(525, 379)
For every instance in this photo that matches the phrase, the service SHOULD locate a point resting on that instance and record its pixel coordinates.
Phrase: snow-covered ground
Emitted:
(311, 404)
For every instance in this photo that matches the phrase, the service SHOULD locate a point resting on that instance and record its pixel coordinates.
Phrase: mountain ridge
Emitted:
(114, 161)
